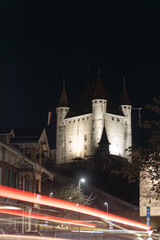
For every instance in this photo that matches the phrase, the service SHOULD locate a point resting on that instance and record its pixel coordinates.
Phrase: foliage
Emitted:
(148, 158)
(69, 192)
(131, 170)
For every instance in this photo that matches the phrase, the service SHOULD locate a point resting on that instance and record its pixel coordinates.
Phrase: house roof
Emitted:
(93, 90)
(6, 131)
(25, 161)
(27, 135)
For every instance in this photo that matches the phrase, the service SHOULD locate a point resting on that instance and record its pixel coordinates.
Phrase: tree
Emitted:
(68, 192)
(147, 159)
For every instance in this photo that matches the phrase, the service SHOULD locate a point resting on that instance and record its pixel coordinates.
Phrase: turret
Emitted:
(61, 112)
(62, 108)
(99, 111)
(126, 108)
(125, 105)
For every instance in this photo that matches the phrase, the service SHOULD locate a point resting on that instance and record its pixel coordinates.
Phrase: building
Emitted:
(79, 128)
(23, 153)
(147, 197)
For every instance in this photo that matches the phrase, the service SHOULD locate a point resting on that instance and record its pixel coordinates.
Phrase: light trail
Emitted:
(8, 236)
(17, 194)
(46, 218)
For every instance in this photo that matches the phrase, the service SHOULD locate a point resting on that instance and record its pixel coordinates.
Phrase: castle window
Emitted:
(61, 109)
(66, 110)
(100, 101)
(69, 121)
(128, 107)
(85, 137)
(95, 101)
(74, 121)
(87, 117)
(78, 120)
(117, 119)
(85, 147)
(82, 119)
(112, 118)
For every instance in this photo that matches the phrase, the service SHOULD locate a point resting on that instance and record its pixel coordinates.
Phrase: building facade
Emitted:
(80, 128)
(21, 167)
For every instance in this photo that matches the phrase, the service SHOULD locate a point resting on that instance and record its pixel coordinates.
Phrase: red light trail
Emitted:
(17, 194)
(46, 218)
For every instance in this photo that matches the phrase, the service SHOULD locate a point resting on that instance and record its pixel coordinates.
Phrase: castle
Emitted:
(80, 128)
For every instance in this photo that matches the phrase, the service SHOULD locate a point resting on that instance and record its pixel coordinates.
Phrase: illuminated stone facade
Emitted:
(78, 135)
(148, 198)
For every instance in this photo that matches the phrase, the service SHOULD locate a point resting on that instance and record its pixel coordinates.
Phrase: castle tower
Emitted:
(61, 112)
(126, 108)
(99, 104)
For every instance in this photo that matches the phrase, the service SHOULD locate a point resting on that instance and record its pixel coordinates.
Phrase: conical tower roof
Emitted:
(63, 102)
(104, 138)
(93, 90)
(99, 91)
(124, 98)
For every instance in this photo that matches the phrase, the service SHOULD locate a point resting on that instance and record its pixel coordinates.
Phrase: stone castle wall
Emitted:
(78, 137)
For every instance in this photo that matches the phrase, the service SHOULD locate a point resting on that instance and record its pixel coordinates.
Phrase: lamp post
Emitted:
(51, 194)
(82, 180)
(106, 205)
(110, 223)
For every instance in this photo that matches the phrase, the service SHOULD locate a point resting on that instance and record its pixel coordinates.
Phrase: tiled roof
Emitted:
(124, 98)
(63, 102)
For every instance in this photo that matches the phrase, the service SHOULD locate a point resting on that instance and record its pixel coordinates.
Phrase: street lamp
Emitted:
(110, 223)
(106, 205)
(51, 194)
(82, 180)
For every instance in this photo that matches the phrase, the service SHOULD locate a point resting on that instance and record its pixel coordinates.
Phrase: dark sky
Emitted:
(41, 41)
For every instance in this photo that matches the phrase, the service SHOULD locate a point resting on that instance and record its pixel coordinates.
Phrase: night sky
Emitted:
(42, 41)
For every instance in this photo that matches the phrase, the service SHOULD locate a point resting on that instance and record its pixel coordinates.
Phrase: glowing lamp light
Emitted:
(82, 180)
